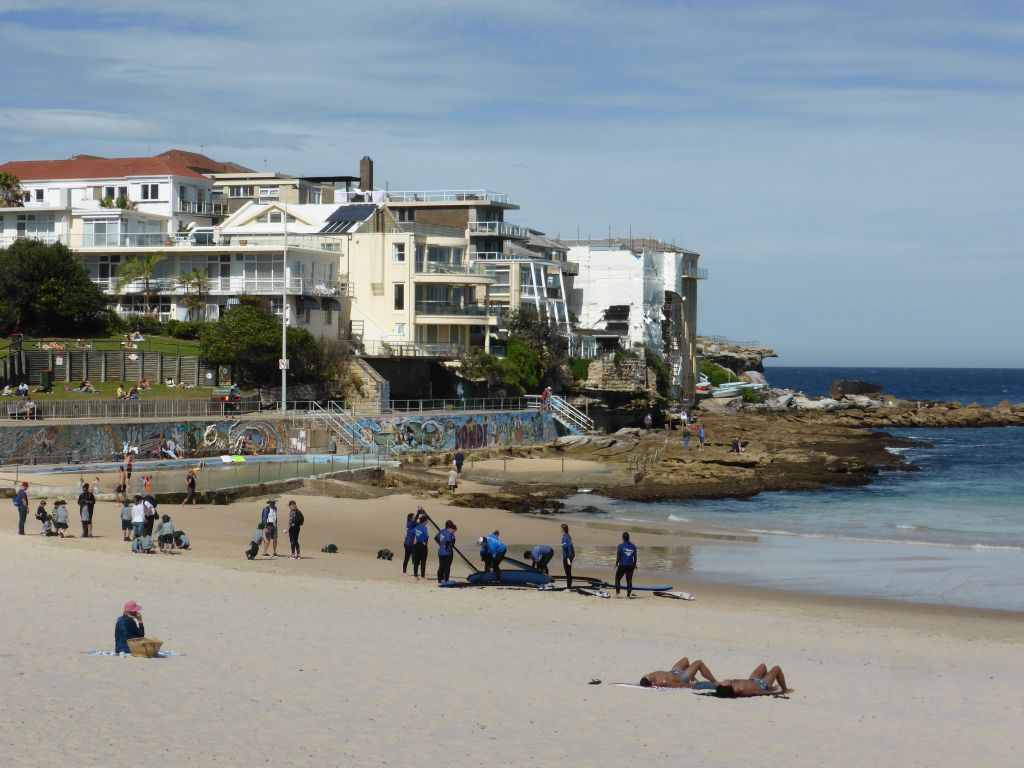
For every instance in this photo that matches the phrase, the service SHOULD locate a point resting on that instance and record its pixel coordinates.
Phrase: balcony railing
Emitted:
(447, 196)
(43, 237)
(202, 239)
(448, 308)
(202, 209)
(499, 229)
(408, 349)
(698, 273)
(232, 286)
(449, 268)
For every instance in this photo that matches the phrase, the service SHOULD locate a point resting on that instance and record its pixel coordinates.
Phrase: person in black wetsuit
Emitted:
(410, 537)
(568, 555)
(625, 564)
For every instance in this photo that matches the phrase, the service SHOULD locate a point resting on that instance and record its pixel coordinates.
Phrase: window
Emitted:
(122, 192)
(39, 195)
(328, 313)
(399, 296)
(269, 193)
(274, 218)
(406, 214)
(108, 192)
(398, 249)
(400, 330)
(150, 191)
(26, 196)
(35, 225)
(242, 191)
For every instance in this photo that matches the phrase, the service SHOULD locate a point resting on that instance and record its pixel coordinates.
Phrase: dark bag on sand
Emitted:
(330, 549)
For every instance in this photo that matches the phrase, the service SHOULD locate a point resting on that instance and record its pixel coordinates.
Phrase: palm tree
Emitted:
(199, 280)
(10, 191)
(139, 267)
(185, 281)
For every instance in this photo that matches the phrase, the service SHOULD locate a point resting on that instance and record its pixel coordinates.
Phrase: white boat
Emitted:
(736, 388)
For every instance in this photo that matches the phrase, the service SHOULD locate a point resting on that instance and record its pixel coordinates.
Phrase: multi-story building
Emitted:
(640, 292)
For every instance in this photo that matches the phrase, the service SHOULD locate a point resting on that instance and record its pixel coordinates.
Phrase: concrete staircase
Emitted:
(376, 391)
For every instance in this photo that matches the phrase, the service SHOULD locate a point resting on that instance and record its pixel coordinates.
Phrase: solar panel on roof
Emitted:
(347, 217)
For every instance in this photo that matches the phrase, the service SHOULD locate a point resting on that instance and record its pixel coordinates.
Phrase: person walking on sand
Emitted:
(460, 459)
(21, 503)
(686, 437)
(682, 675)
(445, 551)
(625, 564)
(701, 436)
(453, 480)
(269, 520)
(190, 488)
(762, 682)
(86, 505)
(295, 522)
(419, 546)
(568, 555)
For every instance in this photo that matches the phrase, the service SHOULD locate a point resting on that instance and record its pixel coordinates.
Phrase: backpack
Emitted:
(299, 519)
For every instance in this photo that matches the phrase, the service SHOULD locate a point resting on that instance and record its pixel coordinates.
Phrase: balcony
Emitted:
(696, 273)
(207, 238)
(498, 229)
(43, 237)
(233, 286)
(201, 209)
(450, 309)
(447, 196)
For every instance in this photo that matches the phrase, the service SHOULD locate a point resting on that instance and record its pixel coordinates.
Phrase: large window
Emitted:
(102, 233)
(240, 191)
(406, 214)
(36, 225)
(150, 191)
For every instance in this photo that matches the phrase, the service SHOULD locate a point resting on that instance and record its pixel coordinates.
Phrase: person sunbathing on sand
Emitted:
(682, 675)
(762, 682)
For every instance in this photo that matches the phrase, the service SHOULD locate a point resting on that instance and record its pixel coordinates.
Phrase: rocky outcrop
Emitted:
(736, 356)
(843, 387)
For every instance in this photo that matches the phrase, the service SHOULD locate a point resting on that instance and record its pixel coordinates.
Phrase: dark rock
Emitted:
(853, 387)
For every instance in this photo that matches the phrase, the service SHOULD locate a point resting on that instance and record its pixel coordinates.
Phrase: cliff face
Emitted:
(735, 356)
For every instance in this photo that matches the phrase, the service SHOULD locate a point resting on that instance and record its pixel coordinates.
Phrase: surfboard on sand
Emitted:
(676, 595)
(510, 578)
(606, 585)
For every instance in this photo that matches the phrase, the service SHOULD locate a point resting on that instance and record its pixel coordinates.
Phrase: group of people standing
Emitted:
(415, 545)
(266, 531)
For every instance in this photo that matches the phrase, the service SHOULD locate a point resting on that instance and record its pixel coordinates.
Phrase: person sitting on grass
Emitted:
(87, 387)
(121, 394)
(762, 682)
(143, 383)
(682, 675)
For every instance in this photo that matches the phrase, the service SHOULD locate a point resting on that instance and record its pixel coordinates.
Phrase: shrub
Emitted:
(147, 325)
(184, 329)
(716, 374)
(580, 368)
(662, 375)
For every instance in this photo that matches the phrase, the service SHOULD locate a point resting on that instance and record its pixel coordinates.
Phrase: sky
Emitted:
(852, 174)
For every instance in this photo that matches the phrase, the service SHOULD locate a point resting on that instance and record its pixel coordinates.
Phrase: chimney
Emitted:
(366, 173)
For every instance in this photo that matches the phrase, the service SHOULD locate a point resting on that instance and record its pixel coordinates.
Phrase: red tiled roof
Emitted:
(91, 167)
(202, 163)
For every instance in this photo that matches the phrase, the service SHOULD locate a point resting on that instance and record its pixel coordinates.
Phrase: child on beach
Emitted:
(181, 540)
(143, 544)
(166, 534)
(43, 516)
(257, 539)
(60, 516)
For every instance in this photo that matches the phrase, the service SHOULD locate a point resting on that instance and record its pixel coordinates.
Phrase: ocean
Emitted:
(952, 533)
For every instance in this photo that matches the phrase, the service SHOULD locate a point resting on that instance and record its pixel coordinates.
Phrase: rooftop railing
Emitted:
(446, 196)
(498, 228)
(448, 268)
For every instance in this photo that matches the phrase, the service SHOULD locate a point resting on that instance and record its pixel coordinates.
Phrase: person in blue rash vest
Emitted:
(410, 537)
(625, 564)
(568, 555)
(445, 551)
(126, 627)
(540, 556)
(419, 546)
(495, 553)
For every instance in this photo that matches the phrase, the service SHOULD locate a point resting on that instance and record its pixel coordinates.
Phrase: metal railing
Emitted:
(573, 418)
(44, 237)
(442, 405)
(90, 407)
(232, 285)
(204, 239)
(500, 228)
(339, 423)
(209, 209)
(408, 349)
(449, 268)
(446, 196)
(448, 308)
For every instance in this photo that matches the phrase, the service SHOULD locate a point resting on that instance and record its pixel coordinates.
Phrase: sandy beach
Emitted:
(339, 659)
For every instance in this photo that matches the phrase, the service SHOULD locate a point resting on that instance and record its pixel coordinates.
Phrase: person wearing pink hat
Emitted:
(129, 625)
(21, 502)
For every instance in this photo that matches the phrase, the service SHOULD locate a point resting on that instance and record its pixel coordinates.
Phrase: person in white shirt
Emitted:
(138, 516)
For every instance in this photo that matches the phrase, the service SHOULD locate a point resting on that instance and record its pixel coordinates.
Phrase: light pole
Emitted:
(284, 314)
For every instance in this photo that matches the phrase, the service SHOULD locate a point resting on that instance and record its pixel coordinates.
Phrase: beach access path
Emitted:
(340, 660)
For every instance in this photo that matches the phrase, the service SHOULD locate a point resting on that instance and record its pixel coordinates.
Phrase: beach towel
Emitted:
(160, 654)
(703, 687)
(676, 595)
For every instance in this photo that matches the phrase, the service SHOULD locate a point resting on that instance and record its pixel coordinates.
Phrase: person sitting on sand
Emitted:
(682, 675)
(762, 682)
(128, 627)
(257, 539)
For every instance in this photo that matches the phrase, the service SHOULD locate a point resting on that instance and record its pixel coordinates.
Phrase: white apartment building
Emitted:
(640, 292)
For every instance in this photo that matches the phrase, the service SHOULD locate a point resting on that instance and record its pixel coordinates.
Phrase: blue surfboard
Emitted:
(510, 578)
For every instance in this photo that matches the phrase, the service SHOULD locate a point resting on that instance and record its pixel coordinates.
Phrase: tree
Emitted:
(522, 369)
(138, 268)
(196, 279)
(248, 338)
(10, 191)
(45, 291)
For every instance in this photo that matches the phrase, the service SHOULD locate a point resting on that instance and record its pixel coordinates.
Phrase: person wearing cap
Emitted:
(269, 520)
(21, 502)
(86, 505)
(128, 626)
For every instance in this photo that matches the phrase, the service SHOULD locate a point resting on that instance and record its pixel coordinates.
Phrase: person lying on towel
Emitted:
(762, 682)
(682, 675)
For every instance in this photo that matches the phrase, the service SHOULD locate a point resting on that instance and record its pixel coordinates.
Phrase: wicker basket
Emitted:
(145, 647)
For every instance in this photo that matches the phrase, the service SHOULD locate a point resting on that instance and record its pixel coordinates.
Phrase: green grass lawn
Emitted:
(168, 345)
(108, 391)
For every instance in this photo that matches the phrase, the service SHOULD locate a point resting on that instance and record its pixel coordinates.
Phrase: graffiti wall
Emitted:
(104, 442)
(457, 432)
